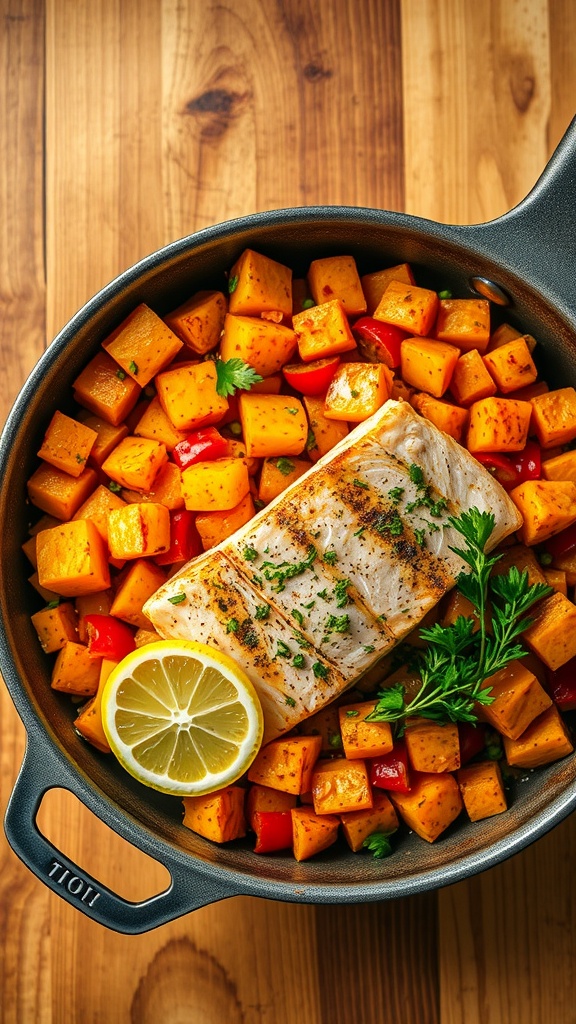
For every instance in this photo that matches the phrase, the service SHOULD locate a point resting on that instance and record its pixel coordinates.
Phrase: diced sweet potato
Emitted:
(106, 390)
(357, 391)
(75, 672)
(98, 507)
(482, 790)
(554, 417)
(452, 419)
(544, 741)
(47, 595)
(428, 365)
(237, 450)
(139, 530)
(189, 397)
(58, 493)
(557, 579)
(432, 804)
(361, 738)
(155, 425)
(142, 345)
(258, 285)
(214, 527)
(217, 816)
(278, 474)
(323, 331)
(567, 564)
(511, 366)
(215, 486)
(272, 425)
(262, 798)
(498, 425)
(89, 720)
(271, 385)
(286, 764)
(199, 321)
(135, 463)
(464, 322)
(323, 434)
(264, 345)
(409, 307)
(55, 626)
(524, 559)
(358, 825)
(336, 277)
(98, 603)
(72, 559)
(107, 436)
(552, 635)
(547, 507)
(340, 785)
(561, 467)
(457, 605)
(471, 380)
(518, 699)
(325, 724)
(166, 489)
(312, 833)
(374, 285)
(67, 444)
(432, 746)
(502, 335)
(137, 584)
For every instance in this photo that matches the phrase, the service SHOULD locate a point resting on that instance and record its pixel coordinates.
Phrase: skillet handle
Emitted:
(537, 239)
(187, 890)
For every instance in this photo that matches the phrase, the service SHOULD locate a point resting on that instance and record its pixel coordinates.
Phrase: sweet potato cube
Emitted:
(278, 474)
(409, 307)
(323, 331)
(502, 335)
(67, 444)
(471, 380)
(498, 425)
(457, 605)
(269, 386)
(98, 603)
(189, 397)
(137, 584)
(511, 366)
(75, 672)
(98, 507)
(464, 322)
(356, 391)
(237, 450)
(89, 720)
(199, 321)
(361, 738)
(106, 390)
(554, 417)
(340, 785)
(545, 740)
(215, 527)
(518, 700)
(432, 746)
(217, 816)
(258, 285)
(155, 425)
(139, 530)
(47, 595)
(286, 764)
(272, 425)
(567, 564)
(142, 345)
(166, 489)
(524, 559)
(482, 790)
(428, 365)
(323, 433)
(262, 798)
(29, 549)
(547, 507)
(55, 626)
(336, 277)
(215, 486)
(452, 419)
(432, 804)
(135, 463)
(325, 724)
(72, 559)
(58, 493)
(107, 437)
(557, 579)
(561, 467)
(264, 345)
(312, 833)
(358, 825)
(374, 285)
(552, 635)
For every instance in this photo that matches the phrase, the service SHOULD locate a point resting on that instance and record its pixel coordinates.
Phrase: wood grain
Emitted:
(160, 117)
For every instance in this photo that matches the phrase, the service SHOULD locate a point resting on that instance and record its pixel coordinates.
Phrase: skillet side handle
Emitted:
(186, 892)
(537, 239)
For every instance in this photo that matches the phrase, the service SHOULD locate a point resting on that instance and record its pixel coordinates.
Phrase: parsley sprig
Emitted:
(458, 659)
(234, 374)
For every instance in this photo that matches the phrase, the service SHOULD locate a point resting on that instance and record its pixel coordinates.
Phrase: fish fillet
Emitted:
(339, 568)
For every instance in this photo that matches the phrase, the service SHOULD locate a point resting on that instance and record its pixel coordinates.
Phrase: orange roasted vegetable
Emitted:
(56, 626)
(189, 397)
(135, 463)
(432, 804)
(518, 699)
(199, 321)
(106, 390)
(464, 322)
(498, 425)
(340, 785)
(286, 764)
(361, 738)
(75, 672)
(259, 285)
(272, 425)
(57, 493)
(428, 365)
(545, 740)
(336, 277)
(323, 331)
(482, 790)
(215, 486)
(278, 474)
(67, 444)
(432, 746)
(137, 583)
(356, 391)
(547, 507)
(142, 345)
(214, 527)
(312, 833)
(471, 380)
(554, 417)
(323, 433)
(217, 816)
(511, 366)
(552, 635)
(264, 345)
(409, 307)
(72, 559)
(374, 285)
(89, 720)
(358, 825)
(452, 419)
(138, 530)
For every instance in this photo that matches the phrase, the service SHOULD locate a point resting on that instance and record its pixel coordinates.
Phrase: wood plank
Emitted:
(24, 924)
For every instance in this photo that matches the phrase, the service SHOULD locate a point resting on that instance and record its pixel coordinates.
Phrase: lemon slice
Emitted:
(181, 717)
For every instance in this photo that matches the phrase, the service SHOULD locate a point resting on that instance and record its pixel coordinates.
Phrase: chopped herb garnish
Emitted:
(309, 605)
(287, 570)
(395, 494)
(290, 702)
(323, 594)
(368, 648)
(285, 466)
(234, 374)
(257, 580)
(80, 458)
(320, 670)
(283, 650)
(360, 531)
(360, 483)
(334, 738)
(250, 554)
(416, 475)
(232, 626)
(298, 661)
(446, 294)
(354, 393)
(424, 498)
(232, 284)
(337, 624)
(352, 714)
(379, 844)
(330, 557)
(121, 374)
(384, 523)
(291, 410)
(297, 615)
(133, 367)
(177, 599)
(114, 487)
(262, 611)
(53, 604)
(341, 593)
(307, 303)
(301, 640)
(420, 538)
(310, 440)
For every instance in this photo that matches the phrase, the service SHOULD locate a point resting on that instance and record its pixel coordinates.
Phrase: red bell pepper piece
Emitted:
(390, 771)
(379, 342)
(311, 378)
(108, 637)
(562, 543)
(472, 740)
(273, 831)
(185, 540)
(562, 686)
(528, 462)
(502, 467)
(201, 446)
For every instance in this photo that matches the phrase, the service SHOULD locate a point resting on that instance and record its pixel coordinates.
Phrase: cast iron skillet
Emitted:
(530, 253)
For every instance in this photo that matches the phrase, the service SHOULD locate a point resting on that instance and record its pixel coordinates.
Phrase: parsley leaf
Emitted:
(283, 650)
(285, 466)
(177, 599)
(250, 553)
(262, 611)
(341, 593)
(330, 557)
(298, 661)
(287, 570)
(232, 626)
(320, 670)
(234, 374)
(298, 616)
(232, 284)
(337, 624)
(379, 844)
(290, 702)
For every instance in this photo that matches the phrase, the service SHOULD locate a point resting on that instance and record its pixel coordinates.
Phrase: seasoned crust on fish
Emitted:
(347, 560)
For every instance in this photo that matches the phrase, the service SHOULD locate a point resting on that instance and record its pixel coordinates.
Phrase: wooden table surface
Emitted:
(125, 124)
